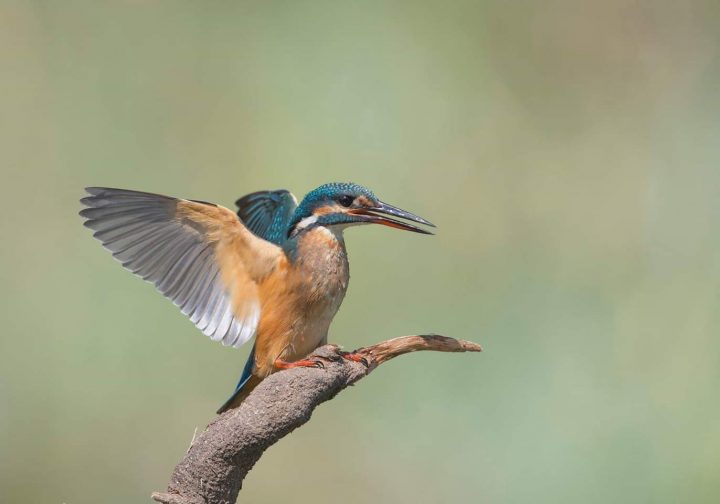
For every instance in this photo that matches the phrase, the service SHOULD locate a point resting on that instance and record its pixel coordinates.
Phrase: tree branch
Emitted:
(218, 460)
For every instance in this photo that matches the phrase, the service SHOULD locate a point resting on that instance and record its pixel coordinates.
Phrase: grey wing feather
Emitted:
(142, 233)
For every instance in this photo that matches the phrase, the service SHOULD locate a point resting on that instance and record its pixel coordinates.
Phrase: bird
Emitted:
(275, 270)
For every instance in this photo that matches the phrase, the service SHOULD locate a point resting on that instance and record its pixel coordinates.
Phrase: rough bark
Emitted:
(218, 460)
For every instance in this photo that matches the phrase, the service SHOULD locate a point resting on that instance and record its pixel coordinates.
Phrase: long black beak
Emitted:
(376, 215)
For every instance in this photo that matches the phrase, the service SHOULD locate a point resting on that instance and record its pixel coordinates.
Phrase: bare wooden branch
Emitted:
(218, 460)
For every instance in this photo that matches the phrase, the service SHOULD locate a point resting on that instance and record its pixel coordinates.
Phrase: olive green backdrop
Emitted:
(567, 151)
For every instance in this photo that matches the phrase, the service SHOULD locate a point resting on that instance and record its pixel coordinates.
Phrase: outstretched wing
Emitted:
(197, 254)
(267, 213)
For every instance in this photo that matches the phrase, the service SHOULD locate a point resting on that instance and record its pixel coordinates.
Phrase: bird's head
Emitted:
(339, 205)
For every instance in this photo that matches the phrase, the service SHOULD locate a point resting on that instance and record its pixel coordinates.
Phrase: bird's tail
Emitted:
(246, 385)
(240, 394)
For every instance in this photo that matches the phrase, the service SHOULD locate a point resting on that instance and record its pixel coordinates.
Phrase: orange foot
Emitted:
(281, 364)
(355, 357)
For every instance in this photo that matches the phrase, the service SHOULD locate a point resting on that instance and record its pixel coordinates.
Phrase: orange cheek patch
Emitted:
(325, 210)
(364, 201)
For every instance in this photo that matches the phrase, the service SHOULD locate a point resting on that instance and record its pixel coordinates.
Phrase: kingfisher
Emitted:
(276, 270)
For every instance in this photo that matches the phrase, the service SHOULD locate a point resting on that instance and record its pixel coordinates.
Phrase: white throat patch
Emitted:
(307, 221)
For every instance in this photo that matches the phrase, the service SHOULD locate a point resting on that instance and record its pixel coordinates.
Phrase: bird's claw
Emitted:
(355, 357)
(333, 357)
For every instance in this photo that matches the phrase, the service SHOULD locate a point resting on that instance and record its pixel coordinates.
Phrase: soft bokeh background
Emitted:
(568, 152)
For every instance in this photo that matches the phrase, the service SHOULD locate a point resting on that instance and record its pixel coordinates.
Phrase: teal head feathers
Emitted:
(347, 204)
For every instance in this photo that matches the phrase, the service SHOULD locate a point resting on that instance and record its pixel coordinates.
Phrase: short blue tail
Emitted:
(244, 377)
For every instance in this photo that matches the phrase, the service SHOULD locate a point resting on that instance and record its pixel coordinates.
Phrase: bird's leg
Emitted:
(355, 357)
(281, 364)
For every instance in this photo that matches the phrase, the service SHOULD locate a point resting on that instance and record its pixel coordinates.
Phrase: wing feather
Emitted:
(197, 254)
(267, 213)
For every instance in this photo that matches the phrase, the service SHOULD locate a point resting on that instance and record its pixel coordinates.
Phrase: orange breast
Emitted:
(299, 300)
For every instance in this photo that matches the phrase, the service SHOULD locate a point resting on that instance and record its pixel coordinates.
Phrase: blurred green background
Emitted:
(568, 152)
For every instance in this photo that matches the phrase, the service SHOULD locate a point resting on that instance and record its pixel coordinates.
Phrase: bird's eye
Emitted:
(346, 200)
